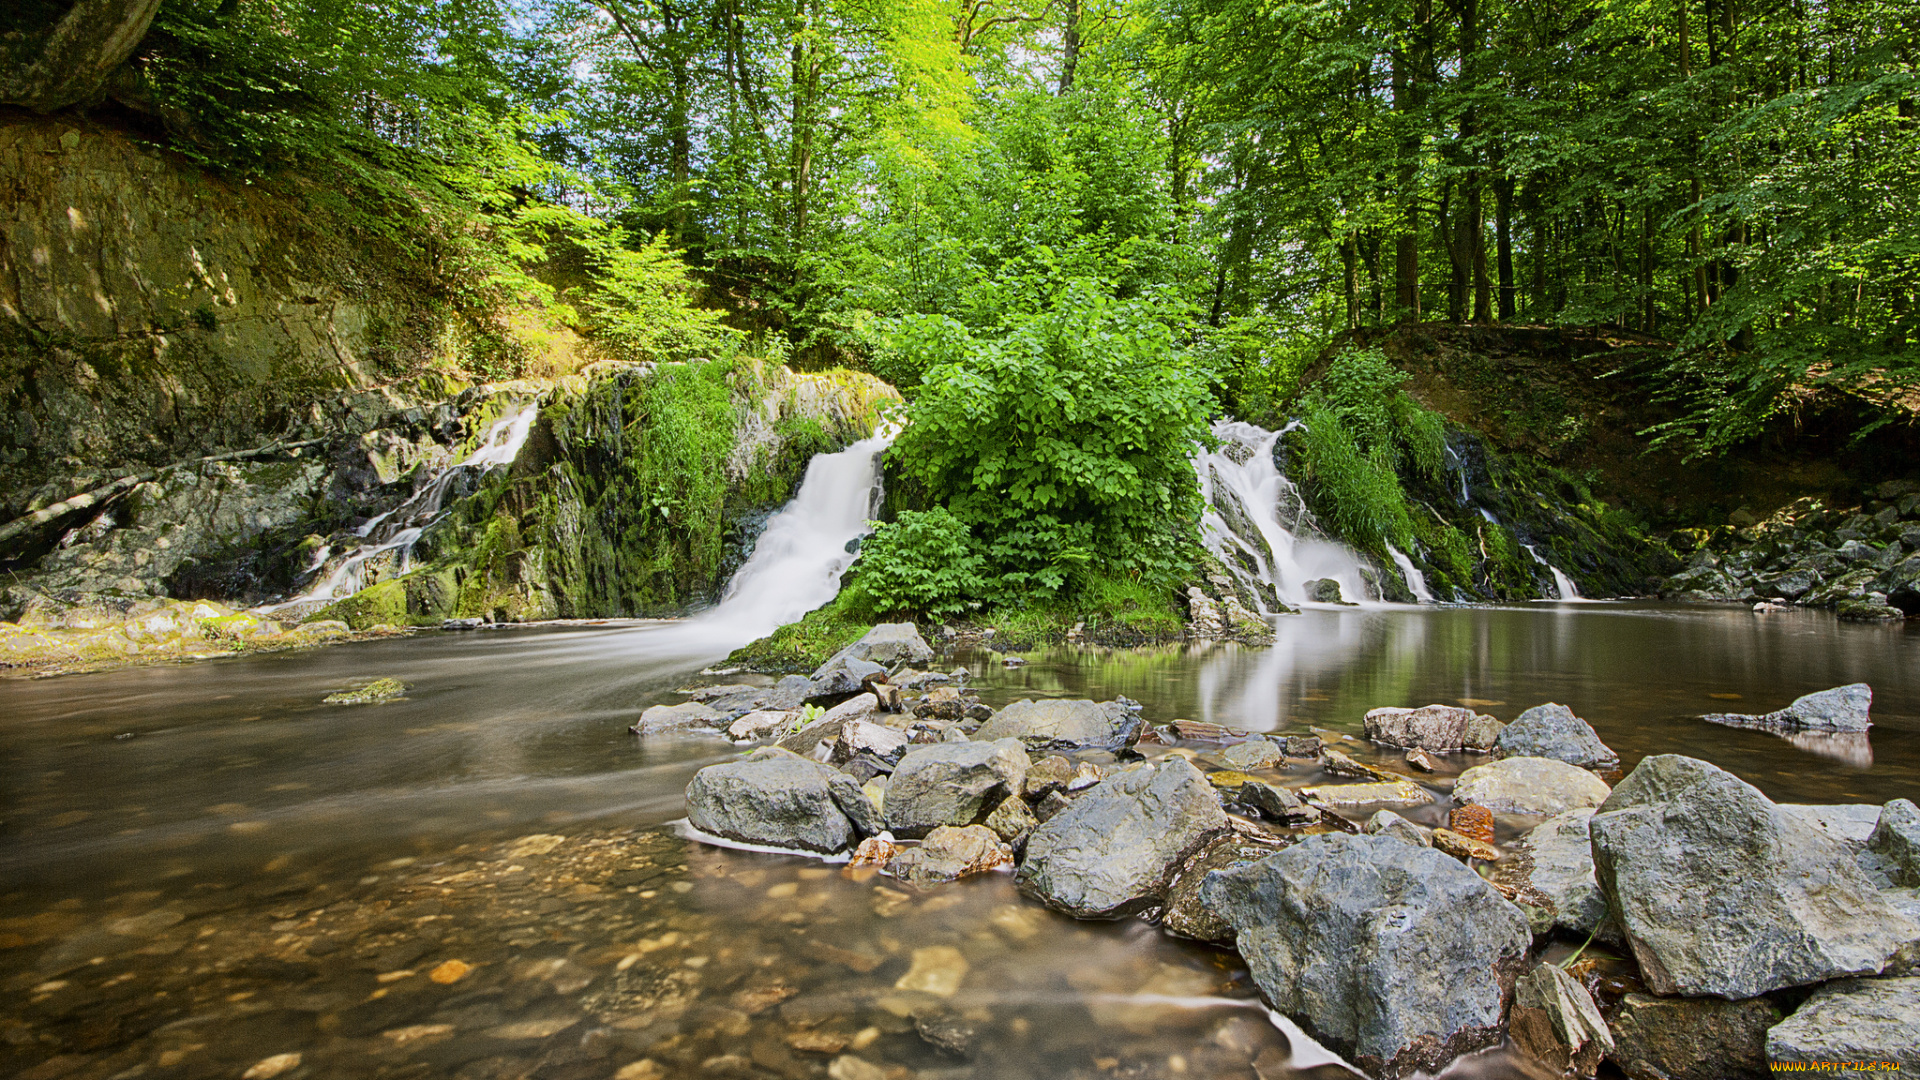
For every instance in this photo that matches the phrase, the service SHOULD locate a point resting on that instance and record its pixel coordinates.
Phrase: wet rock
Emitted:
(1530, 785)
(771, 796)
(1472, 821)
(1186, 915)
(1304, 746)
(1047, 774)
(843, 675)
(1394, 955)
(1388, 823)
(1275, 803)
(941, 703)
(1324, 591)
(1858, 1020)
(874, 851)
(1423, 761)
(1720, 892)
(679, 719)
(1668, 1038)
(1085, 775)
(949, 1032)
(1012, 821)
(948, 854)
(952, 784)
(763, 724)
(1252, 754)
(852, 799)
(915, 680)
(1896, 840)
(887, 644)
(1558, 859)
(1340, 764)
(849, 1067)
(1059, 724)
(1050, 804)
(826, 728)
(1394, 793)
(1464, 848)
(1441, 728)
(864, 767)
(1556, 1022)
(1843, 708)
(936, 969)
(1112, 851)
(1552, 731)
(865, 737)
(377, 690)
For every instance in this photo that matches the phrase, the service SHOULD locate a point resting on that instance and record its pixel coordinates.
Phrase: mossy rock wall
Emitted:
(638, 492)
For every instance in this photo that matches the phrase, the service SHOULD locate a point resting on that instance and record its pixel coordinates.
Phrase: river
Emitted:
(206, 868)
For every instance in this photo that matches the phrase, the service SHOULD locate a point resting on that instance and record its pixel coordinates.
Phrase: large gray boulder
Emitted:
(1673, 1038)
(1059, 724)
(1558, 855)
(1111, 851)
(1552, 731)
(1530, 785)
(1440, 728)
(771, 796)
(1721, 892)
(952, 784)
(1843, 708)
(1895, 840)
(1396, 956)
(887, 645)
(1859, 1020)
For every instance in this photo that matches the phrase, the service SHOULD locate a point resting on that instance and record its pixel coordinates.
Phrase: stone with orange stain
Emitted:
(450, 972)
(1472, 822)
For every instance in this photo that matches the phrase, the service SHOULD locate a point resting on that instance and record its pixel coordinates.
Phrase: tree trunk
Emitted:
(1409, 97)
(1069, 46)
(71, 64)
(1503, 241)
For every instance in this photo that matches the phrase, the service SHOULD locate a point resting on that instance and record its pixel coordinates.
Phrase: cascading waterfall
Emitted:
(1256, 522)
(1563, 586)
(398, 529)
(1416, 581)
(797, 562)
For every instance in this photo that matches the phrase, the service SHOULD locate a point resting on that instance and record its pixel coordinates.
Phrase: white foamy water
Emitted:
(1254, 513)
(796, 565)
(1416, 581)
(1563, 586)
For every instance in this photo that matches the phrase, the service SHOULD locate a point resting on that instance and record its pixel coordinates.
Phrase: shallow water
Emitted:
(250, 873)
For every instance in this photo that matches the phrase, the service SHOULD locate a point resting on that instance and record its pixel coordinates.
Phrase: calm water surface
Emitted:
(204, 867)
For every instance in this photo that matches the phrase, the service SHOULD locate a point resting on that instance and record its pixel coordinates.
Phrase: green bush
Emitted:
(1062, 442)
(1354, 490)
(925, 561)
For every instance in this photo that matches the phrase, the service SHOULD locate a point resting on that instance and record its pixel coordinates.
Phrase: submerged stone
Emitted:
(1843, 708)
(377, 690)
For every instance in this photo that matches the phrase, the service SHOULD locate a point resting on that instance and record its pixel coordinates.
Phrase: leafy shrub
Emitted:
(925, 562)
(1354, 490)
(1062, 442)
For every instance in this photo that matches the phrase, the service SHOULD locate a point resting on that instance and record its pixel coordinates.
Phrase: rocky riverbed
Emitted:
(1401, 943)
(1863, 563)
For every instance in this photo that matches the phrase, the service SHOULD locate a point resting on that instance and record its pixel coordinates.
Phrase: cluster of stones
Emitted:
(1227, 618)
(1863, 563)
(54, 635)
(1398, 945)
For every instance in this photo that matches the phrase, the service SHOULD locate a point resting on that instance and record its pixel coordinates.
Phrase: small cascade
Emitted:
(1563, 586)
(394, 532)
(797, 562)
(1416, 581)
(1258, 524)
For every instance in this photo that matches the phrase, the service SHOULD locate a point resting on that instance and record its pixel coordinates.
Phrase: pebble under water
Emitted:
(209, 873)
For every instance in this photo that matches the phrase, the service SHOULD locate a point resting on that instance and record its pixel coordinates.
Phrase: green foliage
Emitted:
(1062, 442)
(923, 561)
(1353, 489)
(640, 305)
(803, 646)
(684, 424)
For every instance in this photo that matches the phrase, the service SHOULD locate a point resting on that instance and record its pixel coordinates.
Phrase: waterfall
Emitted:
(398, 529)
(1416, 581)
(796, 565)
(1256, 522)
(1563, 586)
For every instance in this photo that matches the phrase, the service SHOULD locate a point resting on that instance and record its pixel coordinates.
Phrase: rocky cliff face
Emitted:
(150, 311)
